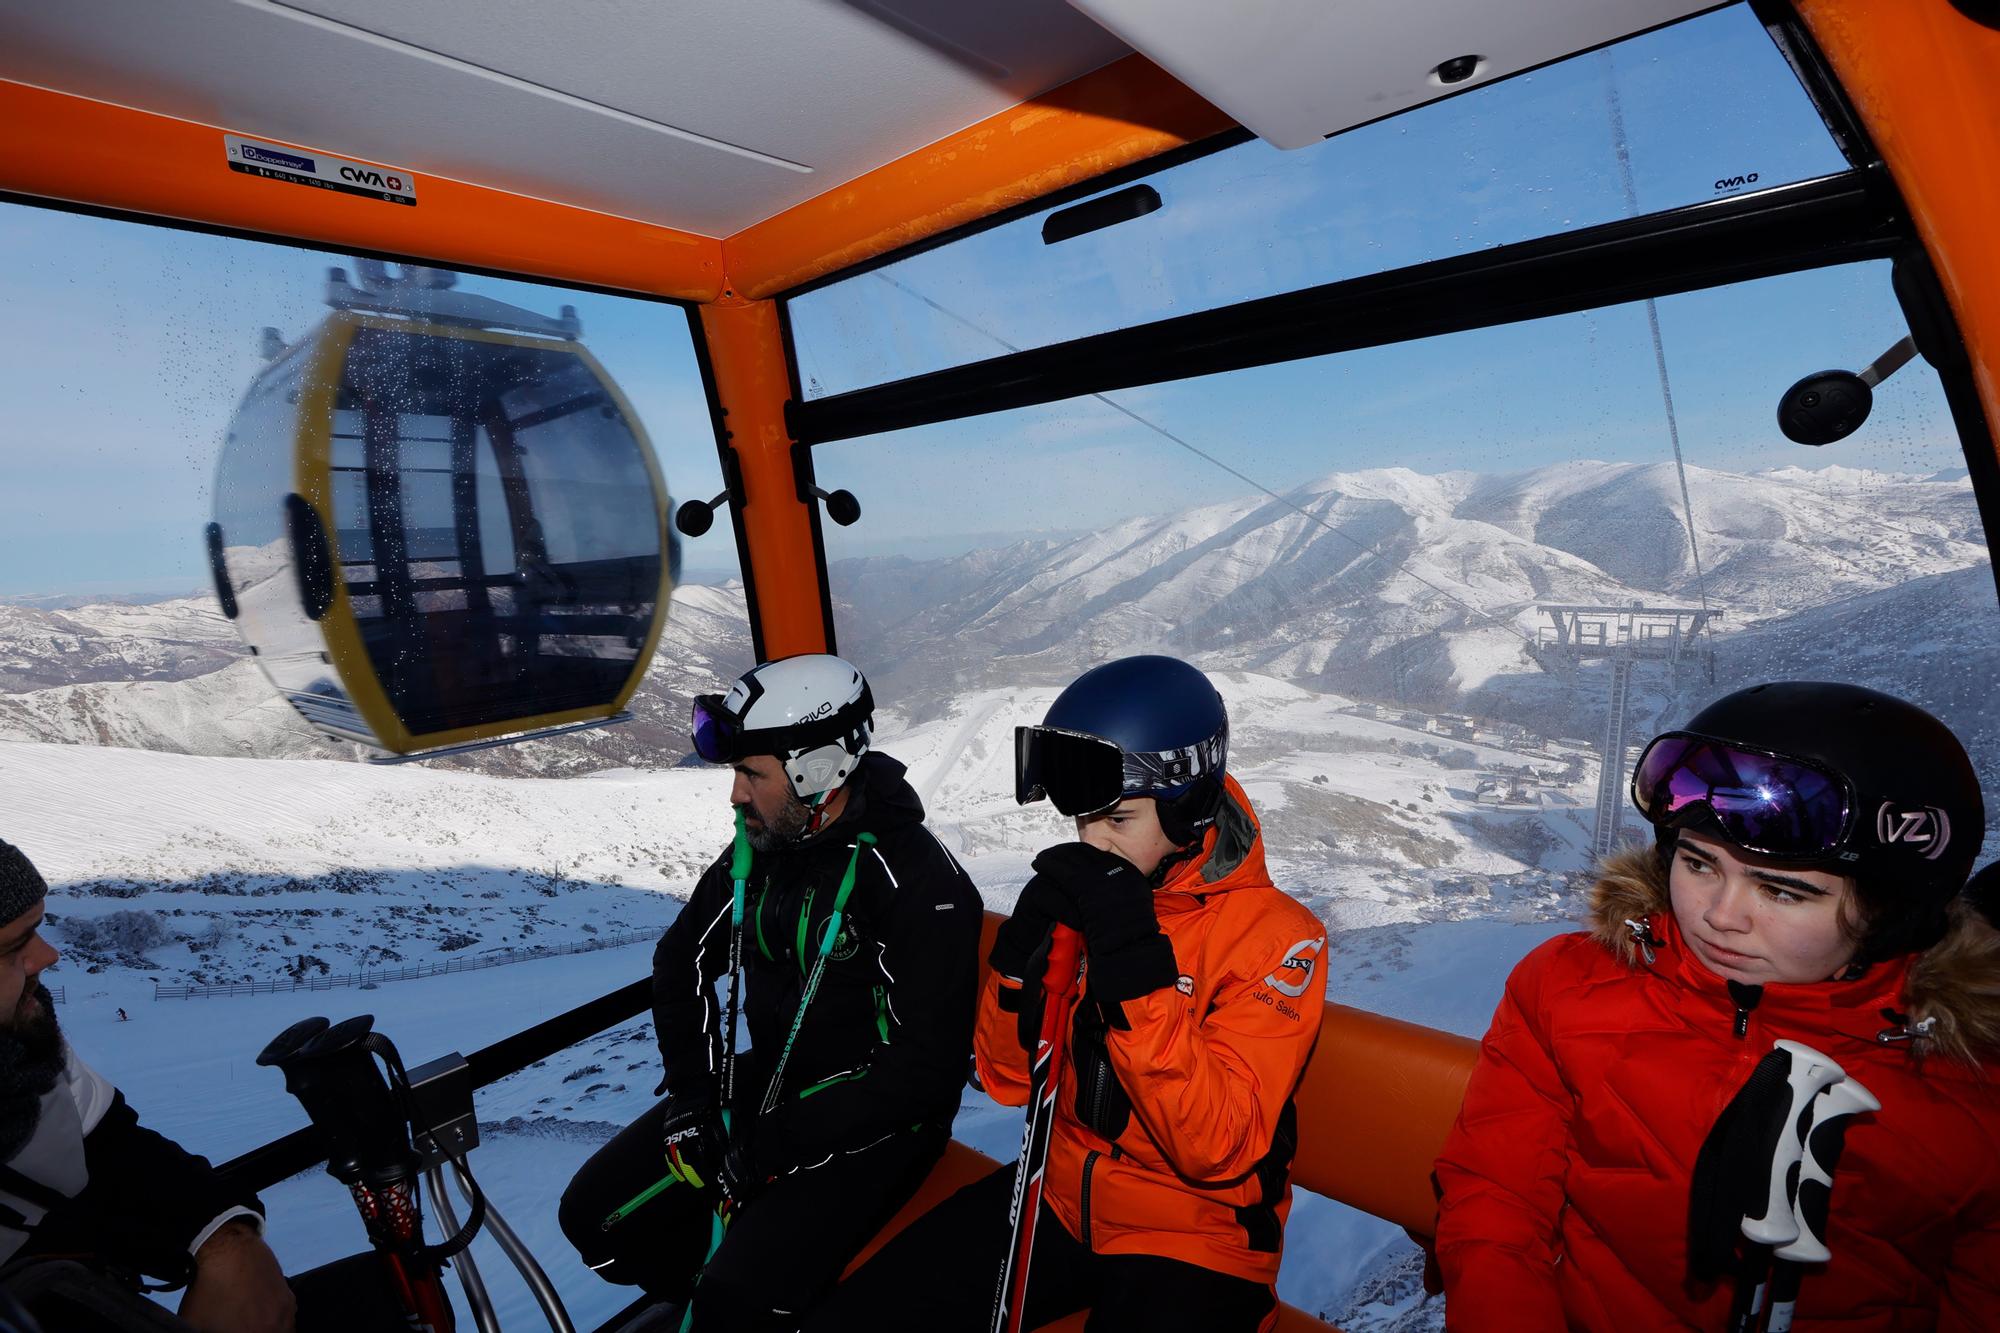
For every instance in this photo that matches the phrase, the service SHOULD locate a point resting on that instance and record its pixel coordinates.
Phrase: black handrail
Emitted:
(303, 1149)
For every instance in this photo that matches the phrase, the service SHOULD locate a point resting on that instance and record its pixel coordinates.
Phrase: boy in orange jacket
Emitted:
(1168, 1175)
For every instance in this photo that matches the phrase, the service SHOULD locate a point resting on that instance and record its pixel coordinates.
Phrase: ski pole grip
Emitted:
(739, 852)
(1831, 1113)
(1807, 1074)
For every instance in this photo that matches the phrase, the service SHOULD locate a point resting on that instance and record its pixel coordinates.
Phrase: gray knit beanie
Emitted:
(21, 885)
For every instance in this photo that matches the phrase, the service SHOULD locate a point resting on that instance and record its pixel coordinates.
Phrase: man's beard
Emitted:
(783, 831)
(31, 1060)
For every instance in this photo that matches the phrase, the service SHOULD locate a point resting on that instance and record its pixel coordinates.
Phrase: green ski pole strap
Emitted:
(739, 867)
(838, 914)
(826, 939)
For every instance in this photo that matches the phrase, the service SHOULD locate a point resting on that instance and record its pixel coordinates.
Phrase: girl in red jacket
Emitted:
(1811, 843)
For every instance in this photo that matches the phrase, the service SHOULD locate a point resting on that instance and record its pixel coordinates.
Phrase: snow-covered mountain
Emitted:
(169, 640)
(1390, 586)
(1418, 590)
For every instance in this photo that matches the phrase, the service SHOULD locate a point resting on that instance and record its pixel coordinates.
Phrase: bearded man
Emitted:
(84, 1182)
(858, 935)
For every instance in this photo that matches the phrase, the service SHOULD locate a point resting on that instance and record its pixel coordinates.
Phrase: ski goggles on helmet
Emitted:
(715, 732)
(1765, 803)
(721, 738)
(1081, 774)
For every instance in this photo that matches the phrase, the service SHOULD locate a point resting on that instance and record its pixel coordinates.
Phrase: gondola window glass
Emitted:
(1702, 110)
(1421, 575)
(197, 832)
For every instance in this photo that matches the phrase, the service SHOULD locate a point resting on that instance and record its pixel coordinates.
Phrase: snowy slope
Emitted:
(262, 868)
(141, 683)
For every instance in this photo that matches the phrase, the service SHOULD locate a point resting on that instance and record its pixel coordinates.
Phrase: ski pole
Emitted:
(638, 1201)
(1807, 1073)
(1059, 995)
(1825, 1136)
(739, 874)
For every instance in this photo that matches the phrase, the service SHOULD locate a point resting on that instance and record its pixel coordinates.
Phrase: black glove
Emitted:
(1113, 903)
(699, 1149)
(1021, 949)
(1025, 934)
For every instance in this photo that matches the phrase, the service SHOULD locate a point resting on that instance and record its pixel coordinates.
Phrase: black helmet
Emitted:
(1829, 775)
(1140, 726)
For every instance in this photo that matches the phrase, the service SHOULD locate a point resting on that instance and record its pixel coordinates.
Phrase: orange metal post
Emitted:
(1123, 113)
(1921, 74)
(747, 353)
(81, 151)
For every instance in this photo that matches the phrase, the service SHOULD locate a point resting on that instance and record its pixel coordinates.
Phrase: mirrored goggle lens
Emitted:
(1080, 775)
(714, 732)
(1763, 803)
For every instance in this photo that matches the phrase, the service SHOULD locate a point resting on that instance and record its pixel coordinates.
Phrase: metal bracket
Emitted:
(425, 293)
(442, 1124)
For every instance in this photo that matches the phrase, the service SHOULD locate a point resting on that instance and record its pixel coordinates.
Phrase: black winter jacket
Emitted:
(95, 1184)
(884, 1044)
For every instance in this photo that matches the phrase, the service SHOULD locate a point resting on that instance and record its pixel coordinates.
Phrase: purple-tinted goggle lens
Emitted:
(714, 730)
(1764, 803)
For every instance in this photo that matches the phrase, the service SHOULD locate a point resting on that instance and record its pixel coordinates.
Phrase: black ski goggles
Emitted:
(1765, 803)
(1080, 774)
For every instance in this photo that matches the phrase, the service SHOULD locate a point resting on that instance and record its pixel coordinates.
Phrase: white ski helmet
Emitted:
(813, 712)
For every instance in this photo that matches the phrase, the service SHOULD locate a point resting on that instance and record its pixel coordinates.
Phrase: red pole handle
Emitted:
(1060, 976)
(1059, 993)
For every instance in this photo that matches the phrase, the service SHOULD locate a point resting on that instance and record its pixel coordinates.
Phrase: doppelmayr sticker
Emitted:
(322, 171)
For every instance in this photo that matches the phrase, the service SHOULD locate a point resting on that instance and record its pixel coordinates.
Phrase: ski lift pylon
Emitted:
(438, 522)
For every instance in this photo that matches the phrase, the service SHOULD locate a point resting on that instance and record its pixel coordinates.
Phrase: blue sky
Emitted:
(130, 345)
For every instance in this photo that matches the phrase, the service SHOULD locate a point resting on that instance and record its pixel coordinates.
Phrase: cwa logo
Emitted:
(370, 176)
(1295, 973)
(1926, 829)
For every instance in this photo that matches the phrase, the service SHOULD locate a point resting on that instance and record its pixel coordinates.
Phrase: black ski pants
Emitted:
(782, 1250)
(941, 1273)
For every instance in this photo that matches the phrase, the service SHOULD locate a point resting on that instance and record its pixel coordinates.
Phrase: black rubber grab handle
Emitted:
(312, 559)
(223, 592)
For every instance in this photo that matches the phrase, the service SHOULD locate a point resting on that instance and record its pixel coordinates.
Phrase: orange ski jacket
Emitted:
(1185, 1150)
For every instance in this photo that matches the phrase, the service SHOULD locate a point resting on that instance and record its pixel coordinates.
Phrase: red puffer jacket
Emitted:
(1566, 1179)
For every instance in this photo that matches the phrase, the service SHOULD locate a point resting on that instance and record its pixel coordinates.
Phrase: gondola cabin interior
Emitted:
(1426, 372)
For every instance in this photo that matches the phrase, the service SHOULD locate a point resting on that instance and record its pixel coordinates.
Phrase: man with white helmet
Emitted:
(858, 935)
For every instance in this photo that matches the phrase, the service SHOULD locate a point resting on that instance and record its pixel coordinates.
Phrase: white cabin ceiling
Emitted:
(1295, 71)
(704, 115)
(712, 115)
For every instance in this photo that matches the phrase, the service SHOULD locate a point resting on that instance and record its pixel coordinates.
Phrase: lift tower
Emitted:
(1624, 636)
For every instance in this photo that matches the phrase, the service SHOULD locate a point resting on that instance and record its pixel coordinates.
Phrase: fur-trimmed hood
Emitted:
(1951, 996)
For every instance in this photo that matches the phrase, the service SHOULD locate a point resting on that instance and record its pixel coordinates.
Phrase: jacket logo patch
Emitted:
(845, 944)
(1185, 985)
(1295, 973)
